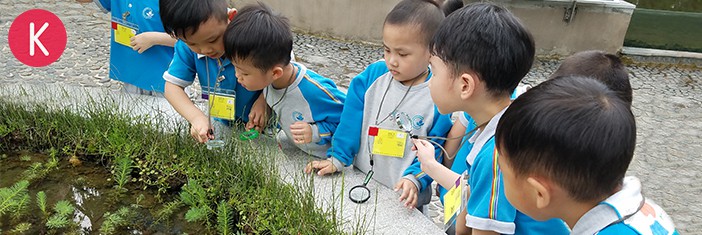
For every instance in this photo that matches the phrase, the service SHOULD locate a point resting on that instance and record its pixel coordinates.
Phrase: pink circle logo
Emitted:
(37, 38)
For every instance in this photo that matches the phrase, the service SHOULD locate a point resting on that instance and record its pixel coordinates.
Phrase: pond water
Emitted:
(89, 187)
(670, 5)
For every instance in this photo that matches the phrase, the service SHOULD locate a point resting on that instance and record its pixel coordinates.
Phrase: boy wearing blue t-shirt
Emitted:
(481, 53)
(565, 147)
(389, 102)
(308, 106)
(199, 25)
(139, 49)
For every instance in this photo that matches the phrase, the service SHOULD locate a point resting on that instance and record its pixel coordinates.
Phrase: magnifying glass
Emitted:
(249, 135)
(215, 143)
(404, 122)
(361, 193)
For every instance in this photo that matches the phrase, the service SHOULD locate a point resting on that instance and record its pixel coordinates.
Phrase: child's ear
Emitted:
(467, 83)
(541, 188)
(277, 72)
(231, 12)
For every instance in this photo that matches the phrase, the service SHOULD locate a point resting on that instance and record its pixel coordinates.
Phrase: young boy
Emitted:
(139, 50)
(604, 67)
(389, 98)
(199, 25)
(259, 43)
(481, 53)
(565, 147)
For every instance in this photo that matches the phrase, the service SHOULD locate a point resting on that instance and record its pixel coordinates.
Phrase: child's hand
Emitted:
(425, 151)
(200, 128)
(302, 132)
(143, 41)
(258, 115)
(409, 192)
(324, 167)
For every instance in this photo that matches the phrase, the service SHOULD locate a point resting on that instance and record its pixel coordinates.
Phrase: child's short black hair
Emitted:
(185, 16)
(258, 34)
(450, 6)
(606, 68)
(426, 14)
(573, 130)
(488, 40)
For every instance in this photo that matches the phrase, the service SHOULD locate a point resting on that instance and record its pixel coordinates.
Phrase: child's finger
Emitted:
(249, 125)
(404, 195)
(308, 168)
(412, 201)
(326, 170)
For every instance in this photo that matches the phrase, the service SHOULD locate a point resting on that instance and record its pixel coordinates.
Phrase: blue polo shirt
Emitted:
(186, 64)
(126, 65)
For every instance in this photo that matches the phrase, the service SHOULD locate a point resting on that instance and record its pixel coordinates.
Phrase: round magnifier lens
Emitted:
(214, 144)
(403, 121)
(359, 194)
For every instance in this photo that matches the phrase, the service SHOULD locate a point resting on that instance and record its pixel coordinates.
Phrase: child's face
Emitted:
(405, 55)
(208, 38)
(517, 189)
(442, 86)
(250, 77)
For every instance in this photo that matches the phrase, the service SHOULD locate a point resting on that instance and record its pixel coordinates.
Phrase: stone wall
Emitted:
(595, 24)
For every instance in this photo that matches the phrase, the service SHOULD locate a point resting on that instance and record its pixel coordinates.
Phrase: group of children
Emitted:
(550, 161)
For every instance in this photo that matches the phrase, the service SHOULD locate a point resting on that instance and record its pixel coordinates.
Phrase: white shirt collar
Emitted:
(623, 203)
(482, 136)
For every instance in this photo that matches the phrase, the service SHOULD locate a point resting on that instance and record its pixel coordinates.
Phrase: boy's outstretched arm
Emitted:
(442, 175)
(143, 41)
(345, 145)
(410, 193)
(258, 116)
(200, 124)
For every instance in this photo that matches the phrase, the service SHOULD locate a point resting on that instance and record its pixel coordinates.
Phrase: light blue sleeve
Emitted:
(440, 127)
(488, 208)
(104, 5)
(182, 69)
(345, 145)
(326, 102)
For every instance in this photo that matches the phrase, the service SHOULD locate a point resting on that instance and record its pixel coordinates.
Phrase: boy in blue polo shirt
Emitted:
(199, 25)
(389, 102)
(565, 147)
(308, 106)
(139, 49)
(481, 53)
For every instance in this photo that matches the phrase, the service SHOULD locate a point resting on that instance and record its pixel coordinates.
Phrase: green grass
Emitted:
(237, 185)
(665, 30)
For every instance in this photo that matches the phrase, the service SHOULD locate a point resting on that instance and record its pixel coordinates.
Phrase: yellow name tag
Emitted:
(454, 198)
(123, 34)
(452, 203)
(388, 142)
(222, 106)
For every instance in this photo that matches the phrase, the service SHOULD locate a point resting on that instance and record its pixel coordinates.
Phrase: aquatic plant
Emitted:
(121, 170)
(168, 209)
(14, 200)
(21, 228)
(114, 221)
(62, 216)
(224, 218)
(195, 197)
(41, 203)
(104, 132)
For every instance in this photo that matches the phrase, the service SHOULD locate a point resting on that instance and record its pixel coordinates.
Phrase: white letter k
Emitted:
(34, 38)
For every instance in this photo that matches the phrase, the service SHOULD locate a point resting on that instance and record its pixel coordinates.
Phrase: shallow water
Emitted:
(90, 189)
